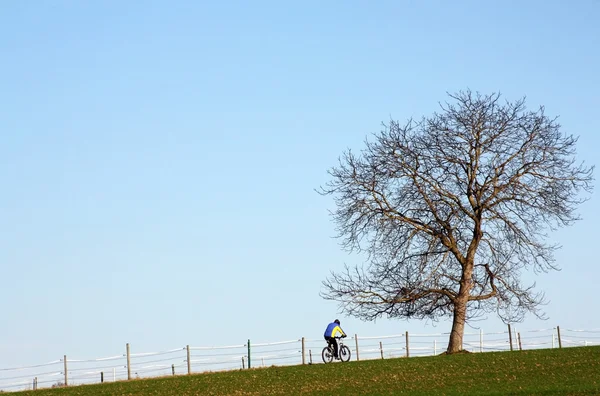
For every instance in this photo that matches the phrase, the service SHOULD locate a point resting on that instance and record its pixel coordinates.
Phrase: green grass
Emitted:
(568, 371)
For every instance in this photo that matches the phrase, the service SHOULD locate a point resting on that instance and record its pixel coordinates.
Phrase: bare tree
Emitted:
(451, 210)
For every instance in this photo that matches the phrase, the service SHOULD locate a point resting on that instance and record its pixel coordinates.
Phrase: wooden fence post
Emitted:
(407, 353)
(356, 341)
(173, 368)
(381, 348)
(128, 362)
(510, 337)
(66, 371)
(101, 377)
(559, 339)
(520, 345)
(189, 359)
(310, 355)
(249, 361)
(303, 353)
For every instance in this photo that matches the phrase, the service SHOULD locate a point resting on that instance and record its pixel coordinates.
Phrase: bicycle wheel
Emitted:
(327, 355)
(345, 353)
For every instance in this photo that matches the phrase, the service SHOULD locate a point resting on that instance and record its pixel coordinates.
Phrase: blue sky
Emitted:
(159, 159)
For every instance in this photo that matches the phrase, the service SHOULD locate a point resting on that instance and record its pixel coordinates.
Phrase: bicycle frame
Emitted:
(328, 351)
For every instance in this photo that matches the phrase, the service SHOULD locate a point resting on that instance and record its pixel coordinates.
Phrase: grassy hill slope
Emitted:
(568, 371)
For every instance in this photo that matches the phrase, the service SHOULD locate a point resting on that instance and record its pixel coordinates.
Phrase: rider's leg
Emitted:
(335, 347)
(329, 342)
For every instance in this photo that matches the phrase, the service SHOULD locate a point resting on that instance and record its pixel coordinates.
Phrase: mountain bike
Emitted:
(343, 351)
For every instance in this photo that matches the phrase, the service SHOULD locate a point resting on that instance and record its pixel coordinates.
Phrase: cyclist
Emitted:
(331, 331)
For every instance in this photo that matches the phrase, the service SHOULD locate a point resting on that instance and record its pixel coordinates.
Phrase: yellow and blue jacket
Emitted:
(333, 329)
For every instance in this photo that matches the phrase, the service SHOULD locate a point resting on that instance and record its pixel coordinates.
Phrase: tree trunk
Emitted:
(455, 343)
(460, 308)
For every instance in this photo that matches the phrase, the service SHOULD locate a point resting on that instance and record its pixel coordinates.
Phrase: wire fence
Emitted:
(197, 359)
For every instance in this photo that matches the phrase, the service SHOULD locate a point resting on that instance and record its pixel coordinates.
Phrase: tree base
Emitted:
(461, 352)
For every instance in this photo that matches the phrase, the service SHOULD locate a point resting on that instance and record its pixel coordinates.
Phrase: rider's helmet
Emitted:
(336, 321)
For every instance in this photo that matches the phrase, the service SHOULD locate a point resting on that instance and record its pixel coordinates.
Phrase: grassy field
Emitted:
(569, 371)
